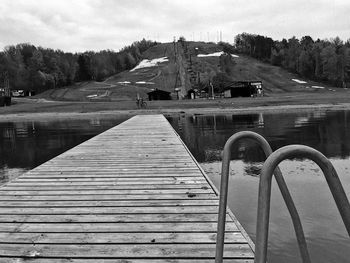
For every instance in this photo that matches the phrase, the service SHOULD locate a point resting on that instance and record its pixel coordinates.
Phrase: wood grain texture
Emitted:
(131, 194)
(97, 260)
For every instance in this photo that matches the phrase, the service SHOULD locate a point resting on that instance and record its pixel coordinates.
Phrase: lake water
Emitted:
(24, 145)
(328, 132)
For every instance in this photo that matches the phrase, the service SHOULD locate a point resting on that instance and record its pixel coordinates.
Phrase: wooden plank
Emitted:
(109, 210)
(106, 181)
(114, 203)
(125, 250)
(110, 174)
(94, 178)
(90, 218)
(110, 197)
(125, 166)
(80, 187)
(114, 227)
(141, 181)
(120, 161)
(111, 192)
(120, 238)
(96, 260)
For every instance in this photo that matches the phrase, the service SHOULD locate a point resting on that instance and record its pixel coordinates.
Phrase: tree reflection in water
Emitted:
(25, 145)
(326, 131)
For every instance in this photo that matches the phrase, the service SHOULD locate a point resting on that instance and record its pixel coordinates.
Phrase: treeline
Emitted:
(320, 60)
(37, 69)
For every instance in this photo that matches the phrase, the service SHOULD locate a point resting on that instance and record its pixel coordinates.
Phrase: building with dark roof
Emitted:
(159, 94)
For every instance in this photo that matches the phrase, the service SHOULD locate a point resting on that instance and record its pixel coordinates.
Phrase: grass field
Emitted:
(317, 98)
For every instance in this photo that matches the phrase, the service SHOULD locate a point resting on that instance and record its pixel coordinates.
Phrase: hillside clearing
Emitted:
(159, 70)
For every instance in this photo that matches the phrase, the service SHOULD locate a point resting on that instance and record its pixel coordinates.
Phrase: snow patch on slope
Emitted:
(146, 63)
(317, 87)
(144, 82)
(215, 54)
(299, 81)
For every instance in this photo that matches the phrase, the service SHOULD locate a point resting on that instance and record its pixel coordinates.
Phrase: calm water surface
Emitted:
(328, 132)
(25, 145)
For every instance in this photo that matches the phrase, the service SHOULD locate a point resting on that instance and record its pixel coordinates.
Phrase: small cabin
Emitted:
(191, 94)
(243, 89)
(158, 94)
(5, 100)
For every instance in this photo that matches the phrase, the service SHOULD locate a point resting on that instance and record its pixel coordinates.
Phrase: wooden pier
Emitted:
(129, 195)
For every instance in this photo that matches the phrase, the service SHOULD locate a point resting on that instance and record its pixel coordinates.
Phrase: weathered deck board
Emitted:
(96, 260)
(110, 218)
(120, 238)
(194, 250)
(131, 194)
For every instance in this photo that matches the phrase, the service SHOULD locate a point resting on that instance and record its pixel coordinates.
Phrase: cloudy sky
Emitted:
(79, 25)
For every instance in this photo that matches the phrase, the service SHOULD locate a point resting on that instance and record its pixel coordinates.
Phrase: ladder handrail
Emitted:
(269, 166)
(224, 192)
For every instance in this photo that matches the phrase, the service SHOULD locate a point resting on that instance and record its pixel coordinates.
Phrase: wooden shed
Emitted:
(5, 99)
(158, 94)
(243, 89)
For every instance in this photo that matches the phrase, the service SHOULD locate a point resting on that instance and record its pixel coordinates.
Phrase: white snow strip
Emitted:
(216, 54)
(299, 81)
(124, 82)
(144, 82)
(317, 87)
(301, 121)
(150, 63)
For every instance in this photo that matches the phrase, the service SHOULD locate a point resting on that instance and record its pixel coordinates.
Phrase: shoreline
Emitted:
(110, 114)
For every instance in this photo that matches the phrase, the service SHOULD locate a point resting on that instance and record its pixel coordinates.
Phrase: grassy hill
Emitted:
(166, 75)
(275, 79)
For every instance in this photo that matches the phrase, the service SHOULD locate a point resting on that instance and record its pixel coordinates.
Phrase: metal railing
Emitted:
(280, 181)
(269, 166)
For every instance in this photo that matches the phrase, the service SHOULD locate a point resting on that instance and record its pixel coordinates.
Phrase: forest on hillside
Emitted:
(320, 60)
(37, 69)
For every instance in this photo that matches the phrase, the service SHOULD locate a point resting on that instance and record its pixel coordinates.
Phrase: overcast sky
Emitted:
(79, 25)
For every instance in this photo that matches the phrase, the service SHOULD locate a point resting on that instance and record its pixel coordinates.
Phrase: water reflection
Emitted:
(324, 131)
(25, 145)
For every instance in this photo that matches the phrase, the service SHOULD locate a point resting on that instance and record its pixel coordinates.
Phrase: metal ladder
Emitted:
(269, 168)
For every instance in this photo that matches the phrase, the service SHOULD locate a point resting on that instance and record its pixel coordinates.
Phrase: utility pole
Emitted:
(212, 90)
(220, 36)
(175, 48)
